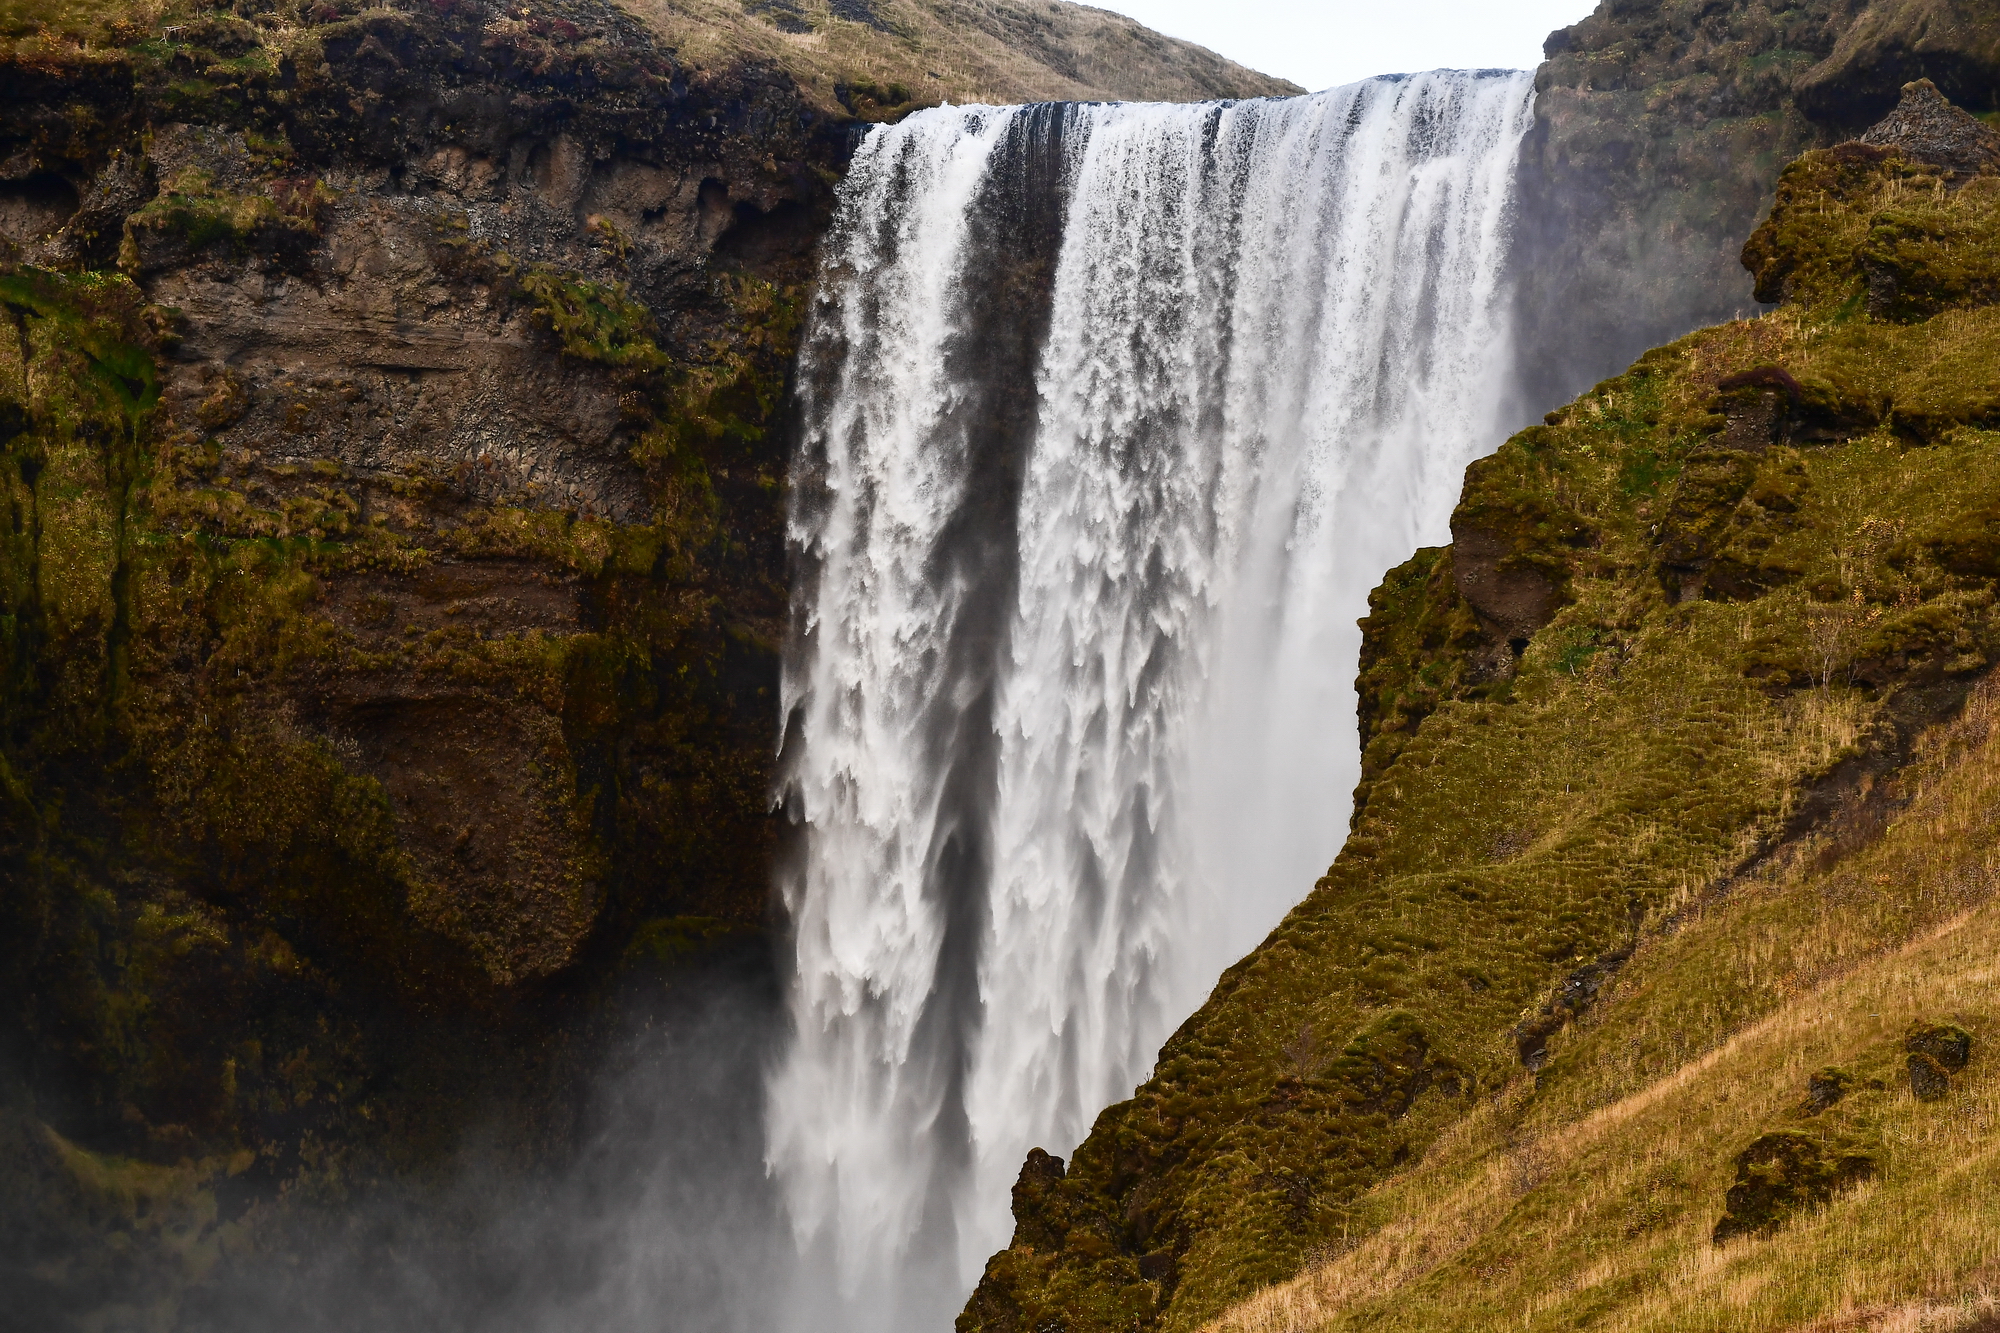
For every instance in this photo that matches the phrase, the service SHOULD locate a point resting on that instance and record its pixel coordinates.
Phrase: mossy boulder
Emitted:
(1806, 248)
(1828, 1087)
(1788, 1172)
(1936, 1051)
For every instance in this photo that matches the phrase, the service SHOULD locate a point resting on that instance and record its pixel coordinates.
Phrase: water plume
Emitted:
(1113, 414)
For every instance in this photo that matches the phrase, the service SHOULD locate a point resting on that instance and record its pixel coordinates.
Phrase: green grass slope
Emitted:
(1670, 799)
(1775, 1015)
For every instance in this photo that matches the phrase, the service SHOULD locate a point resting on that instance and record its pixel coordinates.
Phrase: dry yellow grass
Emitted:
(1590, 1201)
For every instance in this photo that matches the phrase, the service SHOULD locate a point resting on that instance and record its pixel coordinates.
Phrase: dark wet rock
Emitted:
(1510, 563)
(1827, 1087)
(1755, 406)
(1512, 600)
(1946, 1043)
(1929, 1080)
(1575, 995)
(1038, 1223)
(441, 630)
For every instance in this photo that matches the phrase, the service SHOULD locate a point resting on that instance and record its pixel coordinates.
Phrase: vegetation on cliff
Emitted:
(1671, 859)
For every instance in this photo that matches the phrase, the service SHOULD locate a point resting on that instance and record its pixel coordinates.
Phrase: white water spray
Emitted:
(1041, 806)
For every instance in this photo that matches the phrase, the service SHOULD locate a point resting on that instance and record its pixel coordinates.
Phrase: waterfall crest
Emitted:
(1113, 414)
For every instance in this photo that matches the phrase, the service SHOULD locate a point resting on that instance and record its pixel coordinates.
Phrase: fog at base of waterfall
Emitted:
(1112, 417)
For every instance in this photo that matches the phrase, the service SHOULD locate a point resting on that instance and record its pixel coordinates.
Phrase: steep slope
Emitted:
(1777, 1030)
(1661, 126)
(1664, 686)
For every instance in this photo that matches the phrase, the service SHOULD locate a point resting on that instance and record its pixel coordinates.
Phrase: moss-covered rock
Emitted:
(1936, 1051)
(190, 219)
(1785, 1173)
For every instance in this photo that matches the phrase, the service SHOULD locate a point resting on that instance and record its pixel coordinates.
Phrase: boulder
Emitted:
(1936, 1052)
(1785, 1173)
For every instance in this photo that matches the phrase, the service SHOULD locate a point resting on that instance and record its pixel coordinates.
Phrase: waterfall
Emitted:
(1112, 415)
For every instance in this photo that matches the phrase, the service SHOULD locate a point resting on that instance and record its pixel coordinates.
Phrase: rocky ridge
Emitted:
(881, 59)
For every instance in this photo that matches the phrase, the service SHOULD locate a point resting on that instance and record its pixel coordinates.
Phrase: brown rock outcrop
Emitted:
(1926, 128)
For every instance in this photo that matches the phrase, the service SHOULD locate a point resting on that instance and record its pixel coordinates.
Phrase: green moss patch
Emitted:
(190, 219)
(594, 321)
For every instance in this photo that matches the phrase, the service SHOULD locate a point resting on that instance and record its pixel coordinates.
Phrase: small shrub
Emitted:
(595, 321)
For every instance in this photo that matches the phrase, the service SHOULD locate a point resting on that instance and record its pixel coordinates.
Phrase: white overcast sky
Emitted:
(1322, 43)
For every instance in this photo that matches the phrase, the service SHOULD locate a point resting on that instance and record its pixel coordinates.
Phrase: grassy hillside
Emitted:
(876, 59)
(1669, 800)
(879, 58)
(1589, 1195)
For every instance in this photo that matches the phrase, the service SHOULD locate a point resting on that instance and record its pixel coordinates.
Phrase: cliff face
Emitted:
(1660, 129)
(1662, 913)
(391, 576)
